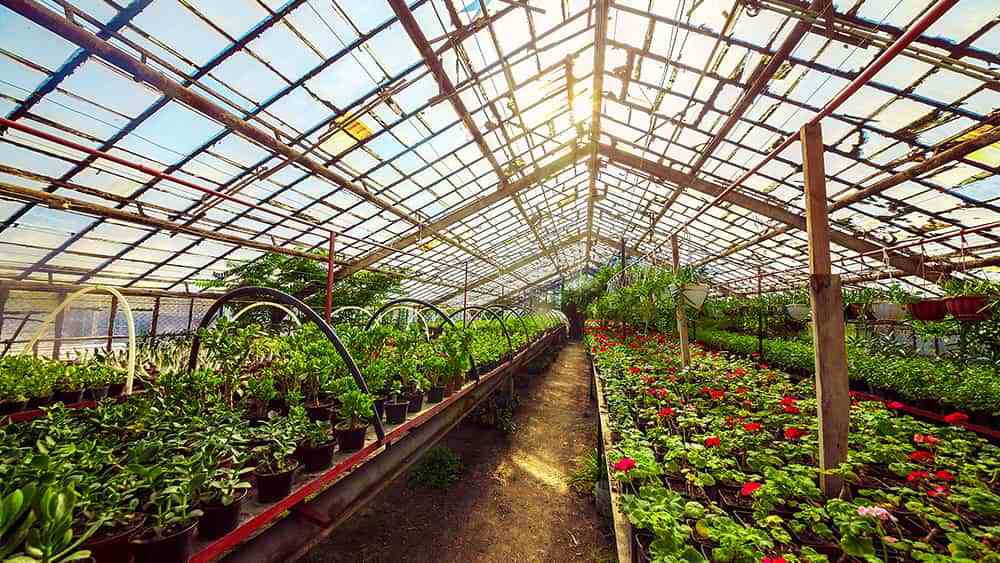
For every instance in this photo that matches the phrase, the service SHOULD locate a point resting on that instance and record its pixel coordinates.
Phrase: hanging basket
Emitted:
(928, 310)
(695, 295)
(798, 311)
(886, 311)
(854, 311)
(967, 307)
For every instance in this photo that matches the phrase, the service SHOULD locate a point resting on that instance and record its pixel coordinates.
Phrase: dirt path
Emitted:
(512, 504)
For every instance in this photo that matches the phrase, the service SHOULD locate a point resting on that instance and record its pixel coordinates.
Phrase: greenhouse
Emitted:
(500, 280)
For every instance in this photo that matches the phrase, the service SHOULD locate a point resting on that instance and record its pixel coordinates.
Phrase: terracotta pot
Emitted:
(928, 310)
(967, 307)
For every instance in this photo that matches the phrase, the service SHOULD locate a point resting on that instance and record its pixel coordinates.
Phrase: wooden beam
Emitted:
(828, 318)
(682, 324)
(601, 8)
(847, 240)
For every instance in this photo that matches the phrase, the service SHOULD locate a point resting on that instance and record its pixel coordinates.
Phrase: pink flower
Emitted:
(894, 405)
(928, 439)
(921, 456)
(752, 426)
(916, 476)
(944, 475)
(624, 464)
(876, 512)
(749, 488)
(956, 418)
(713, 442)
(793, 433)
(762, 365)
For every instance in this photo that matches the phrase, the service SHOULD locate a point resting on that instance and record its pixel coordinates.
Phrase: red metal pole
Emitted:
(329, 281)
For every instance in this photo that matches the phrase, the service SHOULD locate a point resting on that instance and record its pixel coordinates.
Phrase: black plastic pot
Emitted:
(321, 411)
(352, 439)
(435, 394)
(37, 402)
(395, 412)
(96, 393)
(272, 487)
(114, 547)
(218, 520)
(416, 402)
(116, 389)
(68, 397)
(318, 458)
(11, 407)
(380, 408)
(172, 548)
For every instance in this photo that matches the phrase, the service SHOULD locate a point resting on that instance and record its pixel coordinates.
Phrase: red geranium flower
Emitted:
(791, 409)
(762, 365)
(928, 439)
(625, 464)
(754, 354)
(787, 401)
(778, 559)
(717, 394)
(956, 418)
(665, 412)
(894, 405)
(634, 370)
(713, 442)
(921, 456)
(793, 433)
(938, 491)
(916, 476)
(944, 475)
(752, 426)
(749, 488)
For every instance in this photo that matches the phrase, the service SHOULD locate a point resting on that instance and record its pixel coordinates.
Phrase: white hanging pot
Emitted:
(695, 295)
(798, 311)
(887, 311)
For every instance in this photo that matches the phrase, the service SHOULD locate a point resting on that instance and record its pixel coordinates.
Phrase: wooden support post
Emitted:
(156, 318)
(760, 313)
(828, 317)
(111, 323)
(57, 330)
(682, 324)
(190, 314)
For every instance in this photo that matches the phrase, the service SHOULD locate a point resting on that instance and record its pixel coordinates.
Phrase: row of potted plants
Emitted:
(27, 382)
(930, 383)
(718, 462)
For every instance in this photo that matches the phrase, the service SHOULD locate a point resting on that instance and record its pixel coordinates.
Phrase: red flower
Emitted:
(956, 418)
(921, 456)
(762, 365)
(625, 464)
(894, 405)
(741, 389)
(938, 491)
(755, 354)
(665, 412)
(705, 390)
(944, 475)
(752, 426)
(793, 433)
(791, 409)
(916, 476)
(634, 370)
(717, 394)
(928, 439)
(778, 559)
(787, 401)
(749, 488)
(713, 442)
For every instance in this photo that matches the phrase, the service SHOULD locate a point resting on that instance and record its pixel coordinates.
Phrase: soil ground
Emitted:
(512, 503)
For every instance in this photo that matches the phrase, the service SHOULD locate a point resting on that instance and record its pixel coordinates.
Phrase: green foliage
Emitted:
(438, 469)
(589, 470)
(356, 408)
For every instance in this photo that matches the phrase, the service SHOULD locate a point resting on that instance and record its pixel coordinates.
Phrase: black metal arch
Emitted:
(289, 301)
(377, 314)
(479, 310)
(508, 309)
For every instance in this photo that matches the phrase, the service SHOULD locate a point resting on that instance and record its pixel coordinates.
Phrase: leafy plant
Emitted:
(438, 469)
(356, 409)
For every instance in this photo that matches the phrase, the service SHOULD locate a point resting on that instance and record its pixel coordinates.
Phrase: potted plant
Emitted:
(435, 369)
(355, 411)
(43, 520)
(114, 502)
(891, 305)
(13, 396)
(969, 299)
(930, 310)
(170, 514)
(396, 405)
(221, 498)
(69, 386)
(690, 286)
(275, 464)
(318, 443)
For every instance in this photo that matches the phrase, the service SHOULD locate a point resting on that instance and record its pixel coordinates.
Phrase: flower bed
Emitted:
(719, 463)
(930, 382)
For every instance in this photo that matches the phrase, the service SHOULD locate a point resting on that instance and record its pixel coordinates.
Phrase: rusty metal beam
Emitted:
(600, 46)
(850, 241)
(762, 76)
